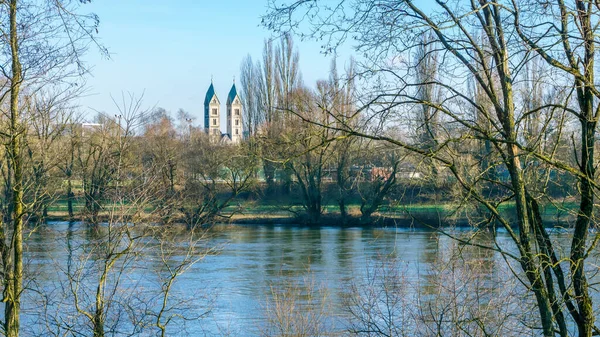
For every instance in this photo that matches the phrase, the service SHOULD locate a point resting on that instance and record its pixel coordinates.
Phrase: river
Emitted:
(231, 290)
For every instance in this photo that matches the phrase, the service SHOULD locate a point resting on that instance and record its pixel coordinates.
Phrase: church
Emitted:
(212, 116)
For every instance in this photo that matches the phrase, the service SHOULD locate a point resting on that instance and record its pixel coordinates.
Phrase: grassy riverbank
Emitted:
(403, 215)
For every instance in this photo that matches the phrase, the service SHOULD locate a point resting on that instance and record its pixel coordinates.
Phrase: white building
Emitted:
(234, 116)
(212, 116)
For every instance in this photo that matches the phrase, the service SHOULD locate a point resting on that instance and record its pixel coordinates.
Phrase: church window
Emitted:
(237, 112)
(214, 121)
(237, 132)
(214, 111)
(237, 122)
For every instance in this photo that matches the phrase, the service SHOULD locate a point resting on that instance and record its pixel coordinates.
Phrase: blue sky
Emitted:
(170, 49)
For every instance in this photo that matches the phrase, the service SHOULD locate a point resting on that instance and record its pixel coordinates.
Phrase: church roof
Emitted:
(209, 94)
(225, 138)
(232, 94)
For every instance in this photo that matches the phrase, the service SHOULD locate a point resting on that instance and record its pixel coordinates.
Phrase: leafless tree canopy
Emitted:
(503, 95)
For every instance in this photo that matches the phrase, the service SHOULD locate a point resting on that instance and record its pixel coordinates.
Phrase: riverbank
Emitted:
(397, 213)
(406, 216)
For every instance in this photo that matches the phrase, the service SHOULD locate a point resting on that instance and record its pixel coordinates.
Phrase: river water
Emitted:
(231, 290)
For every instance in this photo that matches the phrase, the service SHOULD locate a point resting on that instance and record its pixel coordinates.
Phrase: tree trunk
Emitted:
(8, 189)
(342, 177)
(343, 209)
(70, 196)
(580, 235)
(528, 261)
(98, 324)
(15, 281)
(269, 170)
(549, 263)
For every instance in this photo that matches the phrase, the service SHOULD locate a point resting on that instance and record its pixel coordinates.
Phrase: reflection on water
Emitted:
(235, 283)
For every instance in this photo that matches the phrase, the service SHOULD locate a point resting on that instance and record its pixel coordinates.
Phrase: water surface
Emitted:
(228, 291)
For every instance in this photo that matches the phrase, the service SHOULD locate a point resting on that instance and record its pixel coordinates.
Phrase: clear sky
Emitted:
(170, 49)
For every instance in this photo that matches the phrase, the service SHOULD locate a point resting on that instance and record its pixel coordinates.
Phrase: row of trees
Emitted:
(299, 157)
(514, 79)
(90, 165)
(119, 173)
(302, 135)
(137, 166)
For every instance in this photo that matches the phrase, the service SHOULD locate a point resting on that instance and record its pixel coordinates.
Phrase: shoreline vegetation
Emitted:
(419, 215)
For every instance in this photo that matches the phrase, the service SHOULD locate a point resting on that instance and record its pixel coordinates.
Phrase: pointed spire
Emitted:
(209, 94)
(232, 93)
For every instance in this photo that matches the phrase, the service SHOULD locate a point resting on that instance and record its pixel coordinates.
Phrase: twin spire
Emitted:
(212, 115)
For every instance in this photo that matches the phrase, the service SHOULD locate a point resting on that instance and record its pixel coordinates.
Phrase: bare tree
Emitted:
(385, 30)
(297, 308)
(449, 298)
(306, 152)
(288, 76)
(575, 60)
(250, 82)
(69, 144)
(170, 309)
(377, 184)
(427, 121)
(267, 92)
(49, 118)
(160, 146)
(106, 151)
(44, 41)
(344, 109)
(215, 174)
(184, 123)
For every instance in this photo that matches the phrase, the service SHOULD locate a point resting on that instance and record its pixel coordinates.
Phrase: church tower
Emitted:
(234, 116)
(212, 114)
